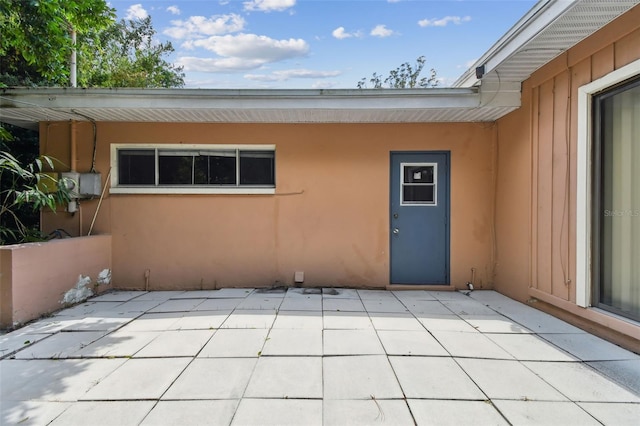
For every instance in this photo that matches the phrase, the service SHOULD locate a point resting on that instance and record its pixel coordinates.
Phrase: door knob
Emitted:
(396, 231)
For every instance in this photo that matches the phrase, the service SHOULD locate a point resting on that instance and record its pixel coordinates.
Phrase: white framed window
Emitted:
(418, 184)
(192, 169)
(603, 184)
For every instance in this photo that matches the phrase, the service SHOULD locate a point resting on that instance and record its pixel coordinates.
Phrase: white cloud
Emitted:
(340, 33)
(191, 63)
(323, 84)
(285, 75)
(199, 26)
(254, 46)
(443, 22)
(242, 52)
(136, 11)
(381, 31)
(174, 10)
(268, 5)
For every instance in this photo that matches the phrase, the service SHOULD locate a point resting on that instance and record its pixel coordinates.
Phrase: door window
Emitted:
(418, 182)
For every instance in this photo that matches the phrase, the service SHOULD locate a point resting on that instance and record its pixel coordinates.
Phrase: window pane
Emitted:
(418, 194)
(221, 169)
(619, 286)
(175, 169)
(136, 167)
(257, 168)
(418, 174)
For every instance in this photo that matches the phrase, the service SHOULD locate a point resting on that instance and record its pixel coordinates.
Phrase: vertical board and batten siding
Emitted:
(550, 106)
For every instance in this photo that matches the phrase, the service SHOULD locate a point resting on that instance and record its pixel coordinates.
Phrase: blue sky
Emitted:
(305, 44)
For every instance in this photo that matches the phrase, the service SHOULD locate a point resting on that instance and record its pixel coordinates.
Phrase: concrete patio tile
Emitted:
(79, 311)
(346, 305)
(384, 305)
(117, 296)
(450, 322)
(177, 305)
(102, 321)
(535, 320)
(59, 345)
(14, 341)
(120, 343)
(607, 413)
(271, 292)
(347, 321)
(104, 413)
(227, 304)
(310, 320)
(504, 379)
(307, 303)
(261, 302)
(449, 295)
(212, 378)
(588, 347)
(233, 343)
(366, 412)
(626, 373)
(286, 377)
(434, 378)
(250, 319)
(159, 295)
(426, 307)
(339, 293)
(293, 342)
(232, 293)
(52, 380)
(138, 379)
(359, 377)
(47, 325)
(467, 307)
(303, 292)
(278, 412)
(395, 321)
(544, 413)
(411, 295)
(469, 345)
(176, 343)
(181, 413)
(455, 413)
(32, 413)
(376, 295)
(200, 320)
(137, 306)
(352, 342)
(581, 383)
(495, 323)
(197, 294)
(152, 322)
(410, 343)
(528, 347)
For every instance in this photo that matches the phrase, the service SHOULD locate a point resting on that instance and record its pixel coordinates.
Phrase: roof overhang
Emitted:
(26, 107)
(550, 28)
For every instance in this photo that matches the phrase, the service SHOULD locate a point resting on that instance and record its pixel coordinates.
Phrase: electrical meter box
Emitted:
(83, 185)
(90, 184)
(72, 180)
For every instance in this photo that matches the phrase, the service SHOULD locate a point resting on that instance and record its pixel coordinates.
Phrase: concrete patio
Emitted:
(312, 357)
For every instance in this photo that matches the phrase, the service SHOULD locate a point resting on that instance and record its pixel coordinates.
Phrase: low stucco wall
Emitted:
(35, 276)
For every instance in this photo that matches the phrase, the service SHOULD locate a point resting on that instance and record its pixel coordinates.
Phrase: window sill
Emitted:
(193, 190)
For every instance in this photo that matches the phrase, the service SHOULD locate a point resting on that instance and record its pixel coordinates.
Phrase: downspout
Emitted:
(73, 80)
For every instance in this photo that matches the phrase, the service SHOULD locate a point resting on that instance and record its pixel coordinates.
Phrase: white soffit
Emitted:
(550, 28)
(22, 106)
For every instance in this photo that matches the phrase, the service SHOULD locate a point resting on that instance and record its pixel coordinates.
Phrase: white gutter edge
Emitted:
(543, 14)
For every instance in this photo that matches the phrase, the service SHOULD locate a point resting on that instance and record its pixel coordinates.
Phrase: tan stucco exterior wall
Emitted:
(329, 217)
(536, 188)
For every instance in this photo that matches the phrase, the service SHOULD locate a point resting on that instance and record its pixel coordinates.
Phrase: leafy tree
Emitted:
(36, 37)
(126, 55)
(403, 77)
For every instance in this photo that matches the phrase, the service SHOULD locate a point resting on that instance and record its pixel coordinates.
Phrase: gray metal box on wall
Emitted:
(90, 184)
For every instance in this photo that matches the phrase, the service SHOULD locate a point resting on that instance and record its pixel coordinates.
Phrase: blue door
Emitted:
(419, 217)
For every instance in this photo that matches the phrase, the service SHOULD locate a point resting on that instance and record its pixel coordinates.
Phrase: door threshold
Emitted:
(433, 287)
